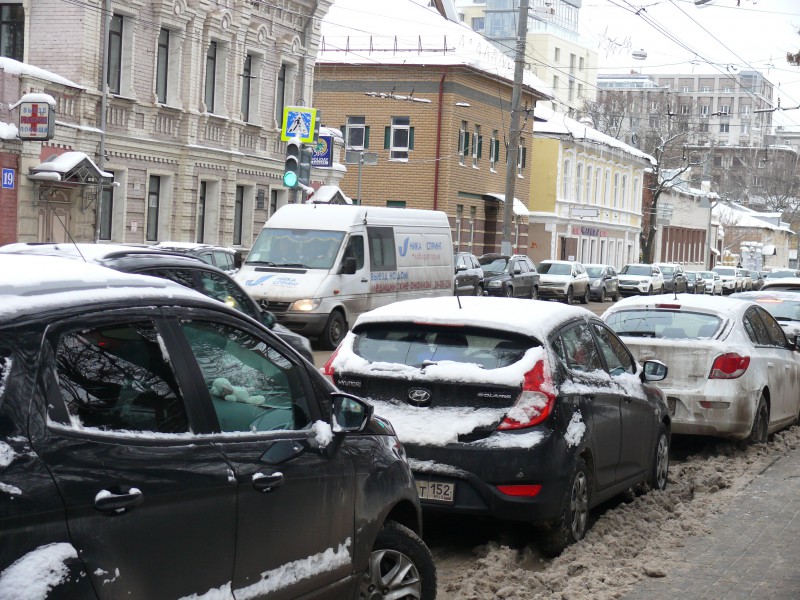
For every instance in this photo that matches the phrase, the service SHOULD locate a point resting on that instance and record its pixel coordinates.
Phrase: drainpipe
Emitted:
(101, 162)
(438, 142)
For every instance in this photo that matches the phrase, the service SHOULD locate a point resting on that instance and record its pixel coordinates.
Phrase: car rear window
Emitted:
(725, 271)
(554, 268)
(781, 309)
(670, 324)
(418, 345)
(637, 270)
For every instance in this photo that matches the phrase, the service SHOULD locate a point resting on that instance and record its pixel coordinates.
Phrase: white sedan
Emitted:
(732, 372)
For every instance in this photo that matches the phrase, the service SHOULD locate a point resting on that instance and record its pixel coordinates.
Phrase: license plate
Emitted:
(436, 491)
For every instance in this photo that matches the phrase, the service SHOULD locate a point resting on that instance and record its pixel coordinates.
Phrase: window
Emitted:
(355, 249)
(557, 55)
(606, 188)
(686, 109)
(581, 63)
(253, 387)
(357, 133)
(237, 215)
(686, 89)
(726, 89)
(399, 138)
(477, 146)
(618, 359)
(616, 189)
(598, 176)
(579, 182)
(478, 23)
(623, 201)
(703, 127)
(724, 127)
(201, 213)
(153, 206)
(745, 109)
(396, 203)
(704, 110)
(463, 142)
(114, 73)
(521, 157)
(473, 214)
(119, 378)
(578, 350)
(459, 218)
(280, 94)
(494, 150)
(162, 66)
(566, 179)
(12, 31)
(106, 211)
(777, 337)
(381, 249)
(247, 77)
(725, 109)
(588, 197)
(745, 127)
(211, 76)
(654, 106)
(705, 88)
(756, 330)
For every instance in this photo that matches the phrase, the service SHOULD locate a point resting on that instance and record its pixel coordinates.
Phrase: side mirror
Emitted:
(350, 413)
(654, 370)
(268, 319)
(348, 266)
(517, 270)
(461, 268)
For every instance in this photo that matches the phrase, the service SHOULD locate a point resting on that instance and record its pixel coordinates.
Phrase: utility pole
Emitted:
(513, 141)
(101, 159)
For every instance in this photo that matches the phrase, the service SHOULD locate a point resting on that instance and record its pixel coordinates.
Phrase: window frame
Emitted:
(162, 66)
(115, 51)
(152, 215)
(15, 25)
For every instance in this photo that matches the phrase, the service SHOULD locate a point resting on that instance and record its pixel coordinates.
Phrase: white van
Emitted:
(317, 267)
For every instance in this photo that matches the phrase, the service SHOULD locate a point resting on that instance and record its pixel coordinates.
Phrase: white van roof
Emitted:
(337, 217)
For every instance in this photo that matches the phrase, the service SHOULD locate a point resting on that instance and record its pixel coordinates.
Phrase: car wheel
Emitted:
(569, 297)
(534, 293)
(585, 297)
(616, 296)
(649, 291)
(758, 433)
(334, 331)
(400, 566)
(479, 290)
(602, 296)
(657, 479)
(509, 292)
(574, 516)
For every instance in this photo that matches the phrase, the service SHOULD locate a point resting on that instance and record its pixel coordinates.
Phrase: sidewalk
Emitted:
(753, 551)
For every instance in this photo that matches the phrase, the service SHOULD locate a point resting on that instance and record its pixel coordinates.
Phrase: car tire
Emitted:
(649, 291)
(334, 331)
(535, 293)
(659, 470)
(616, 297)
(602, 296)
(568, 299)
(585, 297)
(573, 520)
(760, 428)
(509, 292)
(479, 290)
(398, 549)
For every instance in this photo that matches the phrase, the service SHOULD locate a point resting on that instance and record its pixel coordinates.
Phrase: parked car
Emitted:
(747, 280)
(782, 283)
(153, 439)
(758, 279)
(695, 284)
(603, 282)
(781, 273)
(187, 270)
(639, 278)
(563, 280)
(510, 276)
(522, 411)
(731, 279)
(468, 279)
(784, 306)
(674, 277)
(713, 282)
(222, 257)
(732, 373)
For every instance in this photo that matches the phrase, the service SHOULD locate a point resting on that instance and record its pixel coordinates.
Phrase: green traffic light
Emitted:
(290, 179)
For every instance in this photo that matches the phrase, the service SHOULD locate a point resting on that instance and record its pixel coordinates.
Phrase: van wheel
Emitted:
(573, 519)
(334, 331)
(400, 566)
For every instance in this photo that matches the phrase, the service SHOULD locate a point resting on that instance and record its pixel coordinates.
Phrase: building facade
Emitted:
(191, 135)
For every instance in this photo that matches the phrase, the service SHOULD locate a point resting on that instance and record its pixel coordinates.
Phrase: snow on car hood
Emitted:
(555, 279)
(635, 277)
(280, 286)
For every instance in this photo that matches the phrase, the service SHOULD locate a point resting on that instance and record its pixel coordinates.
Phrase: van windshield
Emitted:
(305, 248)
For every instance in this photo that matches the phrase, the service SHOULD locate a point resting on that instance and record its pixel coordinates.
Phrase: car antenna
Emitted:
(458, 299)
(66, 230)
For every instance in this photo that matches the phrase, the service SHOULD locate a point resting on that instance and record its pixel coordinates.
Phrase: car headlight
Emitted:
(305, 305)
(495, 283)
(596, 283)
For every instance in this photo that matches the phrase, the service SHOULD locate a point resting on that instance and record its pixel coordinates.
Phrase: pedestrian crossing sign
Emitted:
(299, 121)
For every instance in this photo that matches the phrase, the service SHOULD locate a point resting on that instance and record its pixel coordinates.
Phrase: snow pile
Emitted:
(575, 430)
(32, 576)
(322, 433)
(7, 454)
(627, 543)
(8, 131)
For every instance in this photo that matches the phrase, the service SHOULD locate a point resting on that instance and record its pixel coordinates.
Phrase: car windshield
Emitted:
(667, 270)
(782, 310)
(691, 276)
(636, 270)
(671, 324)
(308, 248)
(781, 273)
(707, 275)
(495, 266)
(594, 271)
(555, 268)
(419, 346)
(725, 270)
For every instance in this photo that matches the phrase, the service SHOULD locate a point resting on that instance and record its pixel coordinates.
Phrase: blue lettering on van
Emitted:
(434, 245)
(259, 281)
(404, 248)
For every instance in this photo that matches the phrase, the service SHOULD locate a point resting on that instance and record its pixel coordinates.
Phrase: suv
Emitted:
(564, 280)
(732, 281)
(227, 259)
(511, 276)
(674, 277)
(152, 439)
(468, 279)
(180, 268)
(639, 278)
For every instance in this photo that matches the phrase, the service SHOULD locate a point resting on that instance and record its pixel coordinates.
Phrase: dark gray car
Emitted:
(604, 282)
(468, 279)
(510, 276)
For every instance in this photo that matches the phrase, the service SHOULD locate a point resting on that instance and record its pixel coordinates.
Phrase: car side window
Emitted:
(614, 351)
(223, 260)
(220, 288)
(755, 327)
(580, 351)
(776, 336)
(253, 387)
(119, 377)
(355, 249)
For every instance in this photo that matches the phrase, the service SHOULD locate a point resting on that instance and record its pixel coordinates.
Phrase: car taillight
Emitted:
(729, 366)
(534, 404)
(327, 370)
(519, 490)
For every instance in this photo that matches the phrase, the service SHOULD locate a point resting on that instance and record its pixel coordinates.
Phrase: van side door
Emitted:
(354, 287)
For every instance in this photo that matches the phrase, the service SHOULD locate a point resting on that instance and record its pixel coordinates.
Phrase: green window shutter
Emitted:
(366, 137)
(387, 132)
(480, 145)
(410, 138)
(524, 155)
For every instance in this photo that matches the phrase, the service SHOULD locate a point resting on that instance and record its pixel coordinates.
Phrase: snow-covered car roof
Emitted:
(535, 318)
(784, 283)
(756, 295)
(81, 251)
(725, 307)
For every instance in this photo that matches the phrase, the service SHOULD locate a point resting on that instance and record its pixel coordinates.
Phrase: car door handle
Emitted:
(770, 365)
(364, 280)
(266, 483)
(108, 502)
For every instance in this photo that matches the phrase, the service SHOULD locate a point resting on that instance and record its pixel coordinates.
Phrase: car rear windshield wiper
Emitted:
(785, 319)
(269, 263)
(292, 265)
(651, 334)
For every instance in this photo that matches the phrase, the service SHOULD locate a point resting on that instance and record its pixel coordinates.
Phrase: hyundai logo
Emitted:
(419, 397)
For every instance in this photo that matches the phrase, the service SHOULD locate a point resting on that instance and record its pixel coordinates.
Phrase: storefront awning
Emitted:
(519, 206)
(71, 167)
(714, 250)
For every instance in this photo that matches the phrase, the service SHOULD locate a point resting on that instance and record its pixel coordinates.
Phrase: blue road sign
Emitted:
(323, 152)
(298, 121)
(8, 179)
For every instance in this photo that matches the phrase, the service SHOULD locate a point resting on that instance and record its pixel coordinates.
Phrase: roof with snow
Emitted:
(733, 216)
(72, 166)
(550, 123)
(408, 32)
(14, 67)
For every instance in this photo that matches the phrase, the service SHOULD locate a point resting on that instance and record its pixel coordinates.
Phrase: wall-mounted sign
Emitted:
(8, 179)
(590, 231)
(37, 121)
(323, 152)
(299, 121)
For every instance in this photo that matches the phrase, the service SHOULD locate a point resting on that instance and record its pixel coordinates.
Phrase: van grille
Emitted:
(275, 307)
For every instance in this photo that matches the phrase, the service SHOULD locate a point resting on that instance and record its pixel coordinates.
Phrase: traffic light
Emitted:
(291, 166)
(304, 174)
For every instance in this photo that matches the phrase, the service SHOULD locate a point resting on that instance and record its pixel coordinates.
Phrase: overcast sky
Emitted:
(681, 37)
